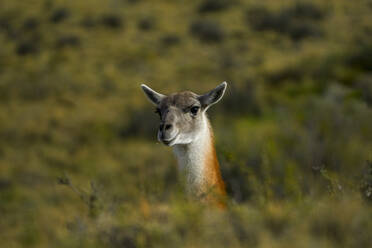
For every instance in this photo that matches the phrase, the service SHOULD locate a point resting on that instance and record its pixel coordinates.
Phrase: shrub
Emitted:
(31, 23)
(59, 15)
(146, 24)
(170, 40)
(364, 85)
(304, 10)
(295, 21)
(213, 5)
(360, 58)
(26, 48)
(207, 31)
(261, 19)
(112, 21)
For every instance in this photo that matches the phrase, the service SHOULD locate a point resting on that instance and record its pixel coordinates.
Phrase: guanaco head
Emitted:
(182, 115)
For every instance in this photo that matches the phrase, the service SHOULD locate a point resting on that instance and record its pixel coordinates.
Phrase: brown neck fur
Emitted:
(215, 186)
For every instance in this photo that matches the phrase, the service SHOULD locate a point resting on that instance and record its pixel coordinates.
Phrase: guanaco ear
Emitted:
(213, 96)
(152, 95)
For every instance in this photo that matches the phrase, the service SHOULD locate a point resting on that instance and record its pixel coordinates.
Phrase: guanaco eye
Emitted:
(194, 110)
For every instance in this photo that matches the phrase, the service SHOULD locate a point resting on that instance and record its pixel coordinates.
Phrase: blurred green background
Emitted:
(79, 162)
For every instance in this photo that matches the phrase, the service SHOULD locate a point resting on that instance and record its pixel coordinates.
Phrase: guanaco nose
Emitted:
(165, 127)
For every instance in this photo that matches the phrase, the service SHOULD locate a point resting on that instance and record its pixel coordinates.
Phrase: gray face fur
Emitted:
(182, 115)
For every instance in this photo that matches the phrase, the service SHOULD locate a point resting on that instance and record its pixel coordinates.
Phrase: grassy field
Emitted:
(79, 162)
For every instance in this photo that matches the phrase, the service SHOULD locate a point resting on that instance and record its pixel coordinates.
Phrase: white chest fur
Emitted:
(192, 159)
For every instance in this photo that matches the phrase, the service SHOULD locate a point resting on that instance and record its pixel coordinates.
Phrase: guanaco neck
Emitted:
(198, 162)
